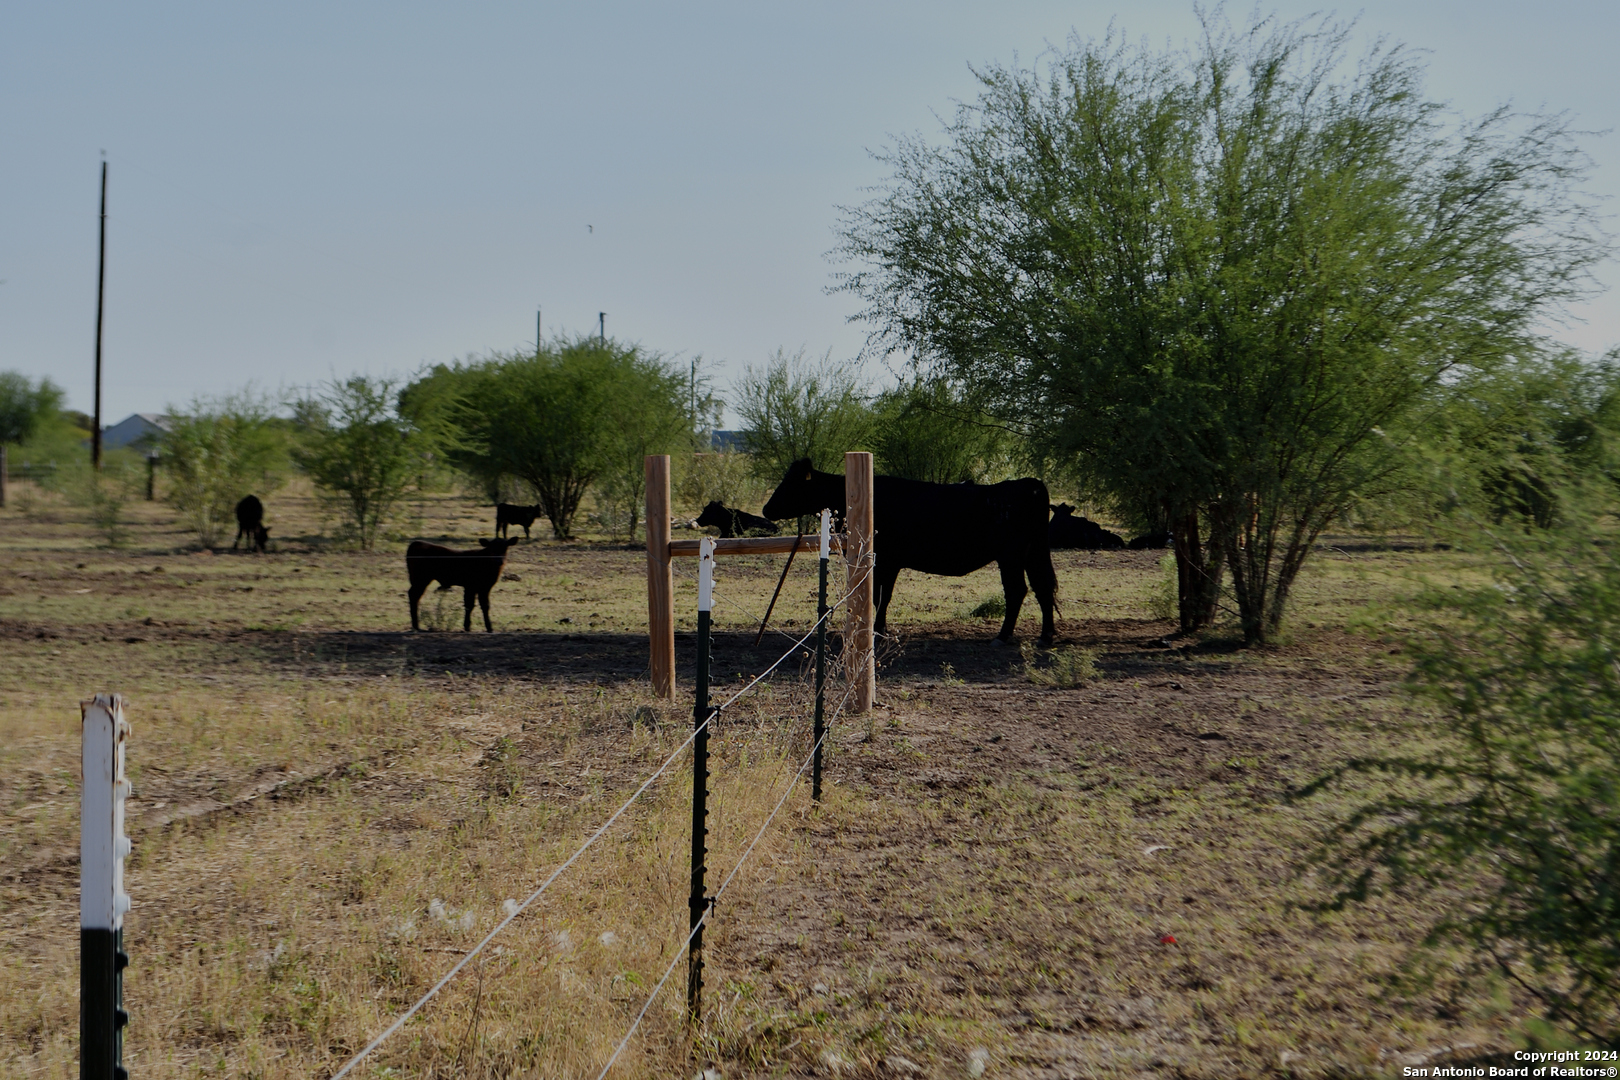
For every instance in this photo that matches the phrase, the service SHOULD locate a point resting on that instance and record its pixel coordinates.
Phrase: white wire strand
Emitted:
(703, 920)
(414, 1009)
(796, 645)
(749, 850)
(465, 960)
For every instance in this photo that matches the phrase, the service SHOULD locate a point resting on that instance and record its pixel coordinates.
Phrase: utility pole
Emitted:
(601, 327)
(101, 290)
(537, 338)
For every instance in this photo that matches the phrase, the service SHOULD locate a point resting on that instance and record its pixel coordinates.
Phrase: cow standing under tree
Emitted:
(475, 571)
(946, 529)
(511, 514)
(250, 523)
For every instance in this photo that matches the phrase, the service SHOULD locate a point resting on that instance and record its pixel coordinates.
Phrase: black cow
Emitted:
(1068, 531)
(948, 529)
(510, 514)
(475, 571)
(717, 515)
(250, 523)
(1152, 541)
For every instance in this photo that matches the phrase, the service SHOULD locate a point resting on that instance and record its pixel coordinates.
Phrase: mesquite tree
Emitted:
(1217, 283)
(574, 416)
(361, 452)
(23, 407)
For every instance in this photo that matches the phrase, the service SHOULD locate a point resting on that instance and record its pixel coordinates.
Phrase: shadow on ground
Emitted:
(954, 651)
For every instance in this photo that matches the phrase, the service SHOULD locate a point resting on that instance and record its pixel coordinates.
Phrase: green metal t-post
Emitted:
(698, 903)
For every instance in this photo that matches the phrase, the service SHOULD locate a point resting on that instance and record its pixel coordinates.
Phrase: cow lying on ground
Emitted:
(510, 514)
(948, 529)
(717, 515)
(1152, 542)
(475, 571)
(1068, 531)
(250, 523)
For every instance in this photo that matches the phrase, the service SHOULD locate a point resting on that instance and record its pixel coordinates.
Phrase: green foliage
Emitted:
(1215, 282)
(728, 477)
(1514, 444)
(991, 607)
(1062, 668)
(25, 405)
(649, 411)
(103, 494)
(217, 451)
(361, 452)
(1508, 808)
(792, 409)
(578, 415)
(927, 429)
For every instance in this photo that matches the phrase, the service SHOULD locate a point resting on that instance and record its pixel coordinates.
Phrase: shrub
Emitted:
(991, 607)
(1064, 668)
(24, 407)
(219, 450)
(927, 429)
(792, 409)
(1509, 808)
(361, 453)
(103, 494)
(728, 477)
(576, 417)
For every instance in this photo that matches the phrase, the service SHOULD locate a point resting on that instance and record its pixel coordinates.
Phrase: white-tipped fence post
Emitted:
(698, 902)
(102, 900)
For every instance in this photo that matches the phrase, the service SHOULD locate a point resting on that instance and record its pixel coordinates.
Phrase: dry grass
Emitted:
(994, 866)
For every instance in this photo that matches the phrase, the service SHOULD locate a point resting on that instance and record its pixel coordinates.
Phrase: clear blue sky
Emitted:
(300, 190)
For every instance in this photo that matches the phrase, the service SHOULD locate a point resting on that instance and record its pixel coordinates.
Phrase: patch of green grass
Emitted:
(991, 607)
(1064, 667)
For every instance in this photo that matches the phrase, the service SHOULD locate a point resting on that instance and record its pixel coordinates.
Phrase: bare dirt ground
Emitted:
(1005, 878)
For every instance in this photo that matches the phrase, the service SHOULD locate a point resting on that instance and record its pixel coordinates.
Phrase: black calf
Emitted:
(510, 514)
(1068, 531)
(475, 571)
(250, 523)
(732, 523)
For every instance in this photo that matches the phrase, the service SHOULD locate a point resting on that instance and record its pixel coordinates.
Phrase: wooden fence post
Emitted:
(860, 563)
(660, 598)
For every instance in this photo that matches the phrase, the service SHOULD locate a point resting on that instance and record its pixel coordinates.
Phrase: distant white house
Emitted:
(138, 430)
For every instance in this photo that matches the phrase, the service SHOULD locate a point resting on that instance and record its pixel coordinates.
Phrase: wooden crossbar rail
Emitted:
(855, 546)
(760, 545)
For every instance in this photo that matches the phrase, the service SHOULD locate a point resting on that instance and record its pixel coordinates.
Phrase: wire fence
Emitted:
(699, 727)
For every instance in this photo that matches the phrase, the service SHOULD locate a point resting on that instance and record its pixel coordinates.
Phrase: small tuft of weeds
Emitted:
(991, 607)
(1164, 592)
(1063, 668)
